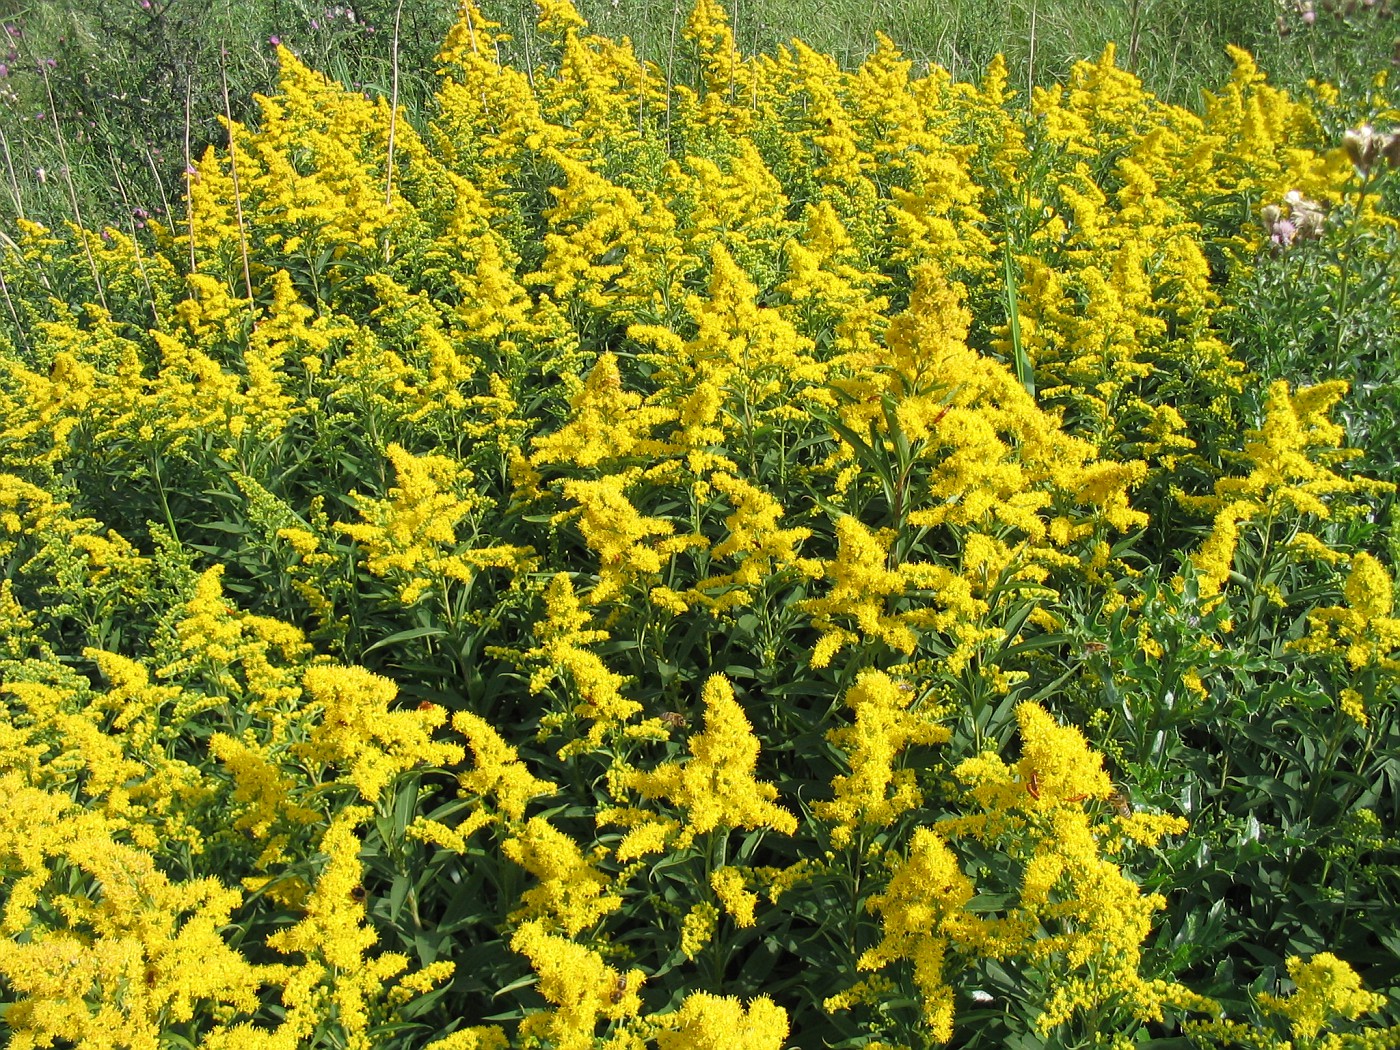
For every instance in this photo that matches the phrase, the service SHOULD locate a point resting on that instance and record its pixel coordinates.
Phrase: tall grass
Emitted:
(124, 75)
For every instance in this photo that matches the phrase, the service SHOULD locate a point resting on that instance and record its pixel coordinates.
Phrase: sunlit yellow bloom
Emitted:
(412, 536)
(728, 883)
(698, 928)
(497, 769)
(923, 914)
(572, 892)
(716, 786)
(359, 733)
(875, 792)
(577, 982)
(1326, 988)
(712, 1022)
(563, 637)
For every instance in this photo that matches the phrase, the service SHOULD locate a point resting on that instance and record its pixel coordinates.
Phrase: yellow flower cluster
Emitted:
(715, 788)
(1076, 915)
(504, 516)
(874, 793)
(1325, 990)
(1363, 633)
(404, 536)
(1291, 477)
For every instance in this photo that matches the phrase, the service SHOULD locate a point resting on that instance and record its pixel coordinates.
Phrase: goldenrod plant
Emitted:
(783, 556)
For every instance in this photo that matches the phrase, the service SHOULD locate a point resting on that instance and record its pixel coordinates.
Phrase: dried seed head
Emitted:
(1390, 149)
(1363, 148)
(1310, 223)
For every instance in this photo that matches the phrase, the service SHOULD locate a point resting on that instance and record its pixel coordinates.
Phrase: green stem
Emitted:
(853, 931)
(1343, 292)
(714, 860)
(160, 491)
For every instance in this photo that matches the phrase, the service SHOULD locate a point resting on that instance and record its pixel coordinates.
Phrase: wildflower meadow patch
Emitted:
(795, 557)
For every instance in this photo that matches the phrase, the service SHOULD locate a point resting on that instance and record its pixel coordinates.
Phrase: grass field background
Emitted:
(128, 87)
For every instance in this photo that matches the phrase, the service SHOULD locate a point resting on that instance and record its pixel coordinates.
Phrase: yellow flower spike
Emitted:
(608, 424)
(829, 288)
(1368, 588)
(572, 894)
(336, 979)
(756, 542)
(1215, 560)
(264, 795)
(559, 18)
(874, 793)
(607, 249)
(334, 926)
(861, 585)
(623, 538)
(744, 364)
(498, 771)
(278, 335)
(716, 786)
(481, 1037)
(471, 34)
(729, 76)
(359, 733)
(711, 1022)
(562, 636)
(130, 950)
(581, 987)
(728, 883)
(1057, 765)
(254, 658)
(698, 928)
(411, 537)
(1325, 988)
(1362, 634)
(923, 917)
(1290, 460)
(645, 835)
(1078, 917)
(600, 95)
(739, 205)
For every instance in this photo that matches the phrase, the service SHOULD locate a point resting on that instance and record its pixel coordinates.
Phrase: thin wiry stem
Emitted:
(189, 173)
(14, 314)
(73, 192)
(1030, 59)
(393, 123)
(135, 242)
(671, 69)
(160, 185)
(14, 182)
(237, 193)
